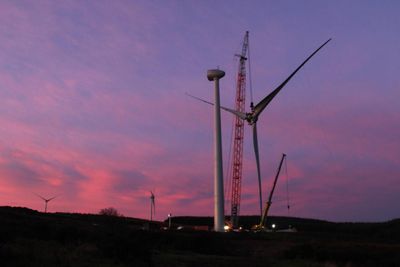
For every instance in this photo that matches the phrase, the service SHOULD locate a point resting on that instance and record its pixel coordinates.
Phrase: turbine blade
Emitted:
(239, 114)
(41, 197)
(234, 112)
(200, 99)
(263, 103)
(51, 198)
(255, 143)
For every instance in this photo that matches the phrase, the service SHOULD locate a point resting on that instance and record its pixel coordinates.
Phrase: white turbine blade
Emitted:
(200, 99)
(255, 143)
(239, 114)
(263, 103)
(234, 112)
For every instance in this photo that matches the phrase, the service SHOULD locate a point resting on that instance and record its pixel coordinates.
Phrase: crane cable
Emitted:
(250, 83)
(228, 172)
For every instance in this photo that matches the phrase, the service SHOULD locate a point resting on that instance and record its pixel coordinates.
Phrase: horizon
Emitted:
(196, 216)
(93, 105)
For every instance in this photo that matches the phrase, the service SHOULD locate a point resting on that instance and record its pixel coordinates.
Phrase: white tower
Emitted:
(215, 75)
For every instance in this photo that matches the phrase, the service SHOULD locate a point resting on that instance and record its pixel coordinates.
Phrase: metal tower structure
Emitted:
(237, 155)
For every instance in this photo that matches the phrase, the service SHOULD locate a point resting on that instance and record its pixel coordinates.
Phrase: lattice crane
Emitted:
(237, 155)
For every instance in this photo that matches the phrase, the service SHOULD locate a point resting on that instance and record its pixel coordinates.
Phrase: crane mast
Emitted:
(269, 201)
(239, 133)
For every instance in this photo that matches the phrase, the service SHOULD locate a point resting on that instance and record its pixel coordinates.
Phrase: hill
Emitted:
(31, 238)
(389, 230)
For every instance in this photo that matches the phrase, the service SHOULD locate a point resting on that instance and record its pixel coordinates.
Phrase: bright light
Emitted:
(226, 227)
(273, 226)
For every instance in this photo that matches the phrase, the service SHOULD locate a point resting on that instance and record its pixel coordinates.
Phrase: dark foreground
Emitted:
(31, 238)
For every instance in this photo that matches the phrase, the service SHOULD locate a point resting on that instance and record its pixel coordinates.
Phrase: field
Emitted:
(31, 238)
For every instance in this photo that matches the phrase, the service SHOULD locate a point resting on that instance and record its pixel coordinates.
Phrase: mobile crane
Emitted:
(261, 225)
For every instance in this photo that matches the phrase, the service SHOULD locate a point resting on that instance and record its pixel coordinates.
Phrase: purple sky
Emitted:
(93, 105)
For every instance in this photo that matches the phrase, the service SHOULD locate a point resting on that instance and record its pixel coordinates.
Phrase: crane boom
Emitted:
(269, 201)
(239, 133)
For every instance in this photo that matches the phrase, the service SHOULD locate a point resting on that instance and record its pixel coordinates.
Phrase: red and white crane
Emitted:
(237, 155)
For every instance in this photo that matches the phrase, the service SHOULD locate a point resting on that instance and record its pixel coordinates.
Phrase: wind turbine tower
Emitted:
(46, 200)
(215, 75)
(152, 206)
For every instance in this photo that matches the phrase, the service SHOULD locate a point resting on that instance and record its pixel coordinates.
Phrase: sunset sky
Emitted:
(93, 106)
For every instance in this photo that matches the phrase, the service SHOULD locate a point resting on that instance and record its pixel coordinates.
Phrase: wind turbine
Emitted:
(252, 116)
(152, 205)
(46, 200)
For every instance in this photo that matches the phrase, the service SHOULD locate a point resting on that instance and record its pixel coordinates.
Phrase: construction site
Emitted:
(235, 173)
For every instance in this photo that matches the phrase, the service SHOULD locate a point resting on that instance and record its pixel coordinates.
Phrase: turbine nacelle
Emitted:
(251, 119)
(215, 74)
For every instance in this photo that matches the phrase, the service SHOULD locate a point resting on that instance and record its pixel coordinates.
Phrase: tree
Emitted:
(110, 212)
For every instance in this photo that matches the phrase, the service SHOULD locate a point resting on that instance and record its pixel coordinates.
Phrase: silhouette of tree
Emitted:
(110, 212)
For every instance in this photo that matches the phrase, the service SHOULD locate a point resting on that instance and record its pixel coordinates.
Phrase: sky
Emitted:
(93, 107)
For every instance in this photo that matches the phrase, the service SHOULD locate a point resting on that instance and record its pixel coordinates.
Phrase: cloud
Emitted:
(33, 173)
(129, 180)
(20, 174)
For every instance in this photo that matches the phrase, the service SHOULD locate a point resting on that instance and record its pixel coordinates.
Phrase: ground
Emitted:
(31, 238)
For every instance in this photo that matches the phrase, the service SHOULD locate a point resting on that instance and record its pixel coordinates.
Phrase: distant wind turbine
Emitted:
(152, 206)
(46, 200)
(252, 116)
